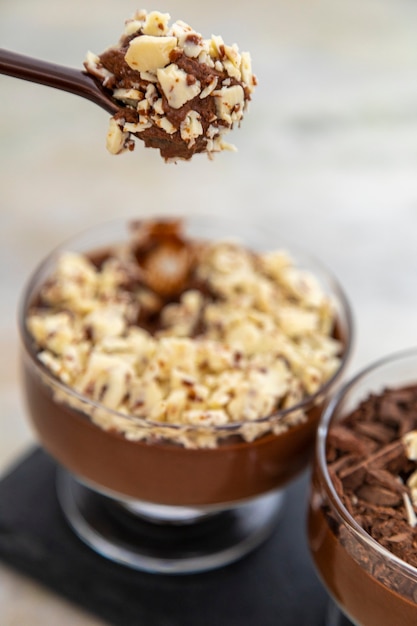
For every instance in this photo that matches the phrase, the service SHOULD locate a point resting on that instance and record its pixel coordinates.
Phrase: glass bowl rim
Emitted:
(309, 401)
(320, 456)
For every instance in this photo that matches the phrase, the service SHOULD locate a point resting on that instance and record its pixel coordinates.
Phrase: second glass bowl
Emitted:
(370, 584)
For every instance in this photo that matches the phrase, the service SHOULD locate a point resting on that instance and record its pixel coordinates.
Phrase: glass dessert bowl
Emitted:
(175, 406)
(362, 514)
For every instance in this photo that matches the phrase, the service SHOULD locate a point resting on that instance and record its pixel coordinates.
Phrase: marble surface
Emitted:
(327, 155)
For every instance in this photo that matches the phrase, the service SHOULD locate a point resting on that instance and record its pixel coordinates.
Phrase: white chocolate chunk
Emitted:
(105, 322)
(175, 85)
(151, 94)
(229, 103)
(246, 71)
(205, 58)
(165, 124)
(411, 514)
(193, 50)
(149, 76)
(148, 53)
(231, 69)
(158, 107)
(410, 443)
(216, 47)
(135, 23)
(412, 485)
(156, 24)
(180, 28)
(191, 127)
(142, 125)
(132, 27)
(54, 331)
(210, 87)
(116, 138)
(143, 106)
(127, 94)
(232, 53)
(108, 377)
(93, 65)
(233, 61)
(191, 43)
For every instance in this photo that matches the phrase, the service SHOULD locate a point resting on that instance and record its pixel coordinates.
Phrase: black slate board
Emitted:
(273, 586)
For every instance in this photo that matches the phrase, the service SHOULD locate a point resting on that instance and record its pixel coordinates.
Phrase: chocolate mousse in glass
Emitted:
(363, 507)
(176, 370)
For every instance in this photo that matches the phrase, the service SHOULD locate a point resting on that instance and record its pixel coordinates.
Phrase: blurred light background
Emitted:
(327, 156)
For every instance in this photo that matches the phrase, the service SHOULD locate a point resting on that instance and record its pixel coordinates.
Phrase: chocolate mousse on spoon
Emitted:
(162, 83)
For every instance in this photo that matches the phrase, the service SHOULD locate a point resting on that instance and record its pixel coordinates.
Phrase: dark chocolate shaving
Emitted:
(369, 469)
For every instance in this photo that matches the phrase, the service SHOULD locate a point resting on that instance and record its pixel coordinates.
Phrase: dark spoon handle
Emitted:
(57, 76)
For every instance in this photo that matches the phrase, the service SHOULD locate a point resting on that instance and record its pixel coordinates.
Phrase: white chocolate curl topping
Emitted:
(239, 336)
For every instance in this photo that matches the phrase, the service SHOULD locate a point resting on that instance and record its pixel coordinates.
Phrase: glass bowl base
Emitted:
(178, 546)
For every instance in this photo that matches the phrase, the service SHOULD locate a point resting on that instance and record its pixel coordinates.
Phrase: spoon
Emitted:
(57, 76)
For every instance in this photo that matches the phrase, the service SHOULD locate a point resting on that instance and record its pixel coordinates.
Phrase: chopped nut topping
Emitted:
(182, 68)
(186, 333)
